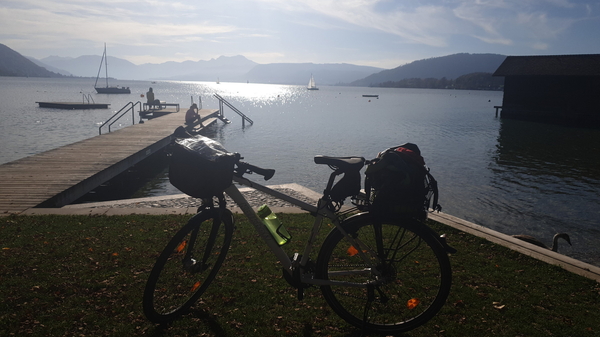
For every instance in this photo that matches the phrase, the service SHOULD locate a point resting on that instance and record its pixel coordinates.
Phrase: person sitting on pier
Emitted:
(192, 118)
(151, 101)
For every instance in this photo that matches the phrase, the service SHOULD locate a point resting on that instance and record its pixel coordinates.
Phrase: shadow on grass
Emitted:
(198, 315)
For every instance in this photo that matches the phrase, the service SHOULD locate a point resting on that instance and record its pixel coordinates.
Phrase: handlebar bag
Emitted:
(200, 167)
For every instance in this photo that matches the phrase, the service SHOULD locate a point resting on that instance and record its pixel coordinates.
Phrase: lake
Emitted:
(512, 176)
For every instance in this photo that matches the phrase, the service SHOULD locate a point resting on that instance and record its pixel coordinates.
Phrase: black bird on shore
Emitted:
(536, 242)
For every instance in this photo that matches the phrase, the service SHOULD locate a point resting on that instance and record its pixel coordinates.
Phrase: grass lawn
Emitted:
(84, 276)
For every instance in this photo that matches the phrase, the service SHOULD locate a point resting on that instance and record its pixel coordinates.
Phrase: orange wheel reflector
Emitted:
(352, 251)
(181, 247)
(412, 303)
(195, 286)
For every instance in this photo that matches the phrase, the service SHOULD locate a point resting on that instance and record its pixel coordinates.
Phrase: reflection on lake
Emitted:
(546, 179)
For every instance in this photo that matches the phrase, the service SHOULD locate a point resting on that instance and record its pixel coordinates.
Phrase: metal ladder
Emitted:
(88, 98)
(128, 107)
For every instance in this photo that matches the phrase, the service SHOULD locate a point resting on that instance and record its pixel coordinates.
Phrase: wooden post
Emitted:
(497, 107)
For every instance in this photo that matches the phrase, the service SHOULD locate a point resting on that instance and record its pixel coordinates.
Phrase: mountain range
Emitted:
(450, 67)
(240, 69)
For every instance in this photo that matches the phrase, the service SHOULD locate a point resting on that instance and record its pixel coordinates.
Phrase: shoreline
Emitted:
(182, 204)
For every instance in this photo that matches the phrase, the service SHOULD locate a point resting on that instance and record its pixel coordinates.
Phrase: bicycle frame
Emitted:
(320, 212)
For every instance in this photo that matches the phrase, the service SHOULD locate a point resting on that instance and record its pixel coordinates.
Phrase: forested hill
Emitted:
(448, 67)
(15, 64)
(472, 81)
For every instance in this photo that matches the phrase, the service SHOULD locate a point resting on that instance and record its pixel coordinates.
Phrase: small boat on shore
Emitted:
(107, 89)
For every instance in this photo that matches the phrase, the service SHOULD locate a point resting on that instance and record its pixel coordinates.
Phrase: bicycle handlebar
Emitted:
(244, 167)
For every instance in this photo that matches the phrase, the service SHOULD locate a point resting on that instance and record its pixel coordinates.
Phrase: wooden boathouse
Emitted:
(559, 89)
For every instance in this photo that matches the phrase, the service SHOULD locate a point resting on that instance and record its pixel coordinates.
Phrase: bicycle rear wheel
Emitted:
(410, 281)
(187, 266)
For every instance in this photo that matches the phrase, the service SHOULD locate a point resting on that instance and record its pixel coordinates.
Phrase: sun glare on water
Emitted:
(250, 92)
(255, 91)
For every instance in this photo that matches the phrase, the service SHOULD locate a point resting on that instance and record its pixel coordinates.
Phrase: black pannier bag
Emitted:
(399, 183)
(200, 167)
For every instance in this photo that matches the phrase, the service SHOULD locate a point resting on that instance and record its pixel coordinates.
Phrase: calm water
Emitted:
(512, 176)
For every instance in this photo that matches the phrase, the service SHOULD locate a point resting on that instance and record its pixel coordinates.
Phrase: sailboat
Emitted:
(311, 84)
(107, 89)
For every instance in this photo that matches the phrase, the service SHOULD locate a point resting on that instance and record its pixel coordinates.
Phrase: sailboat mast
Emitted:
(100, 68)
(106, 64)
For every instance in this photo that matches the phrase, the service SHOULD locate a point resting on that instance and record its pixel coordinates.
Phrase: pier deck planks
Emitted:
(60, 176)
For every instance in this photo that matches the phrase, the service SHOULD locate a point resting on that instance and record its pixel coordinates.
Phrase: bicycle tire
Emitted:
(415, 274)
(187, 266)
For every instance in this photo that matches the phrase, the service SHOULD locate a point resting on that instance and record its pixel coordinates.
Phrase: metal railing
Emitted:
(128, 107)
(199, 101)
(222, 102)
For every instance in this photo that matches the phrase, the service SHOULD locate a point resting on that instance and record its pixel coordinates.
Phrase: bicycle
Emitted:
(382, 274)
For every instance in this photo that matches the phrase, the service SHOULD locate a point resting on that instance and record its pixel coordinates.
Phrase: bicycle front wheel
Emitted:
(187, 266)
(393, 279)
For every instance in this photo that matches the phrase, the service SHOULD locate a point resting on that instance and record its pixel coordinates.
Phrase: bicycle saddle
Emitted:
(344, 163)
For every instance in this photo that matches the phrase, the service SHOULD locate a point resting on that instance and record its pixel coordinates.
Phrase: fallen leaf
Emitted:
(352, 251)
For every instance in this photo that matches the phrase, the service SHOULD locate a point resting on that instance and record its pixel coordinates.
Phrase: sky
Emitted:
(380, 33)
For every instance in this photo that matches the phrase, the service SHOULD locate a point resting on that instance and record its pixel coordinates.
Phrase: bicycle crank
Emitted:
(294, 279)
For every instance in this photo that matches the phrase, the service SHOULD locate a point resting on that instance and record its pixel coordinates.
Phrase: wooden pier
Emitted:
(58, 177)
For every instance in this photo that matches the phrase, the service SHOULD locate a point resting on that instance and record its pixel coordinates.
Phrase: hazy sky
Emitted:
(383, 33)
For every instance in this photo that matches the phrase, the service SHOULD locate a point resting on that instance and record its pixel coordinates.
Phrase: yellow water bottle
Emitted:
(274, 225)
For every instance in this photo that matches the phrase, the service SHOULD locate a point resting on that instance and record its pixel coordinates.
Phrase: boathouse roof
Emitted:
(550, 65)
